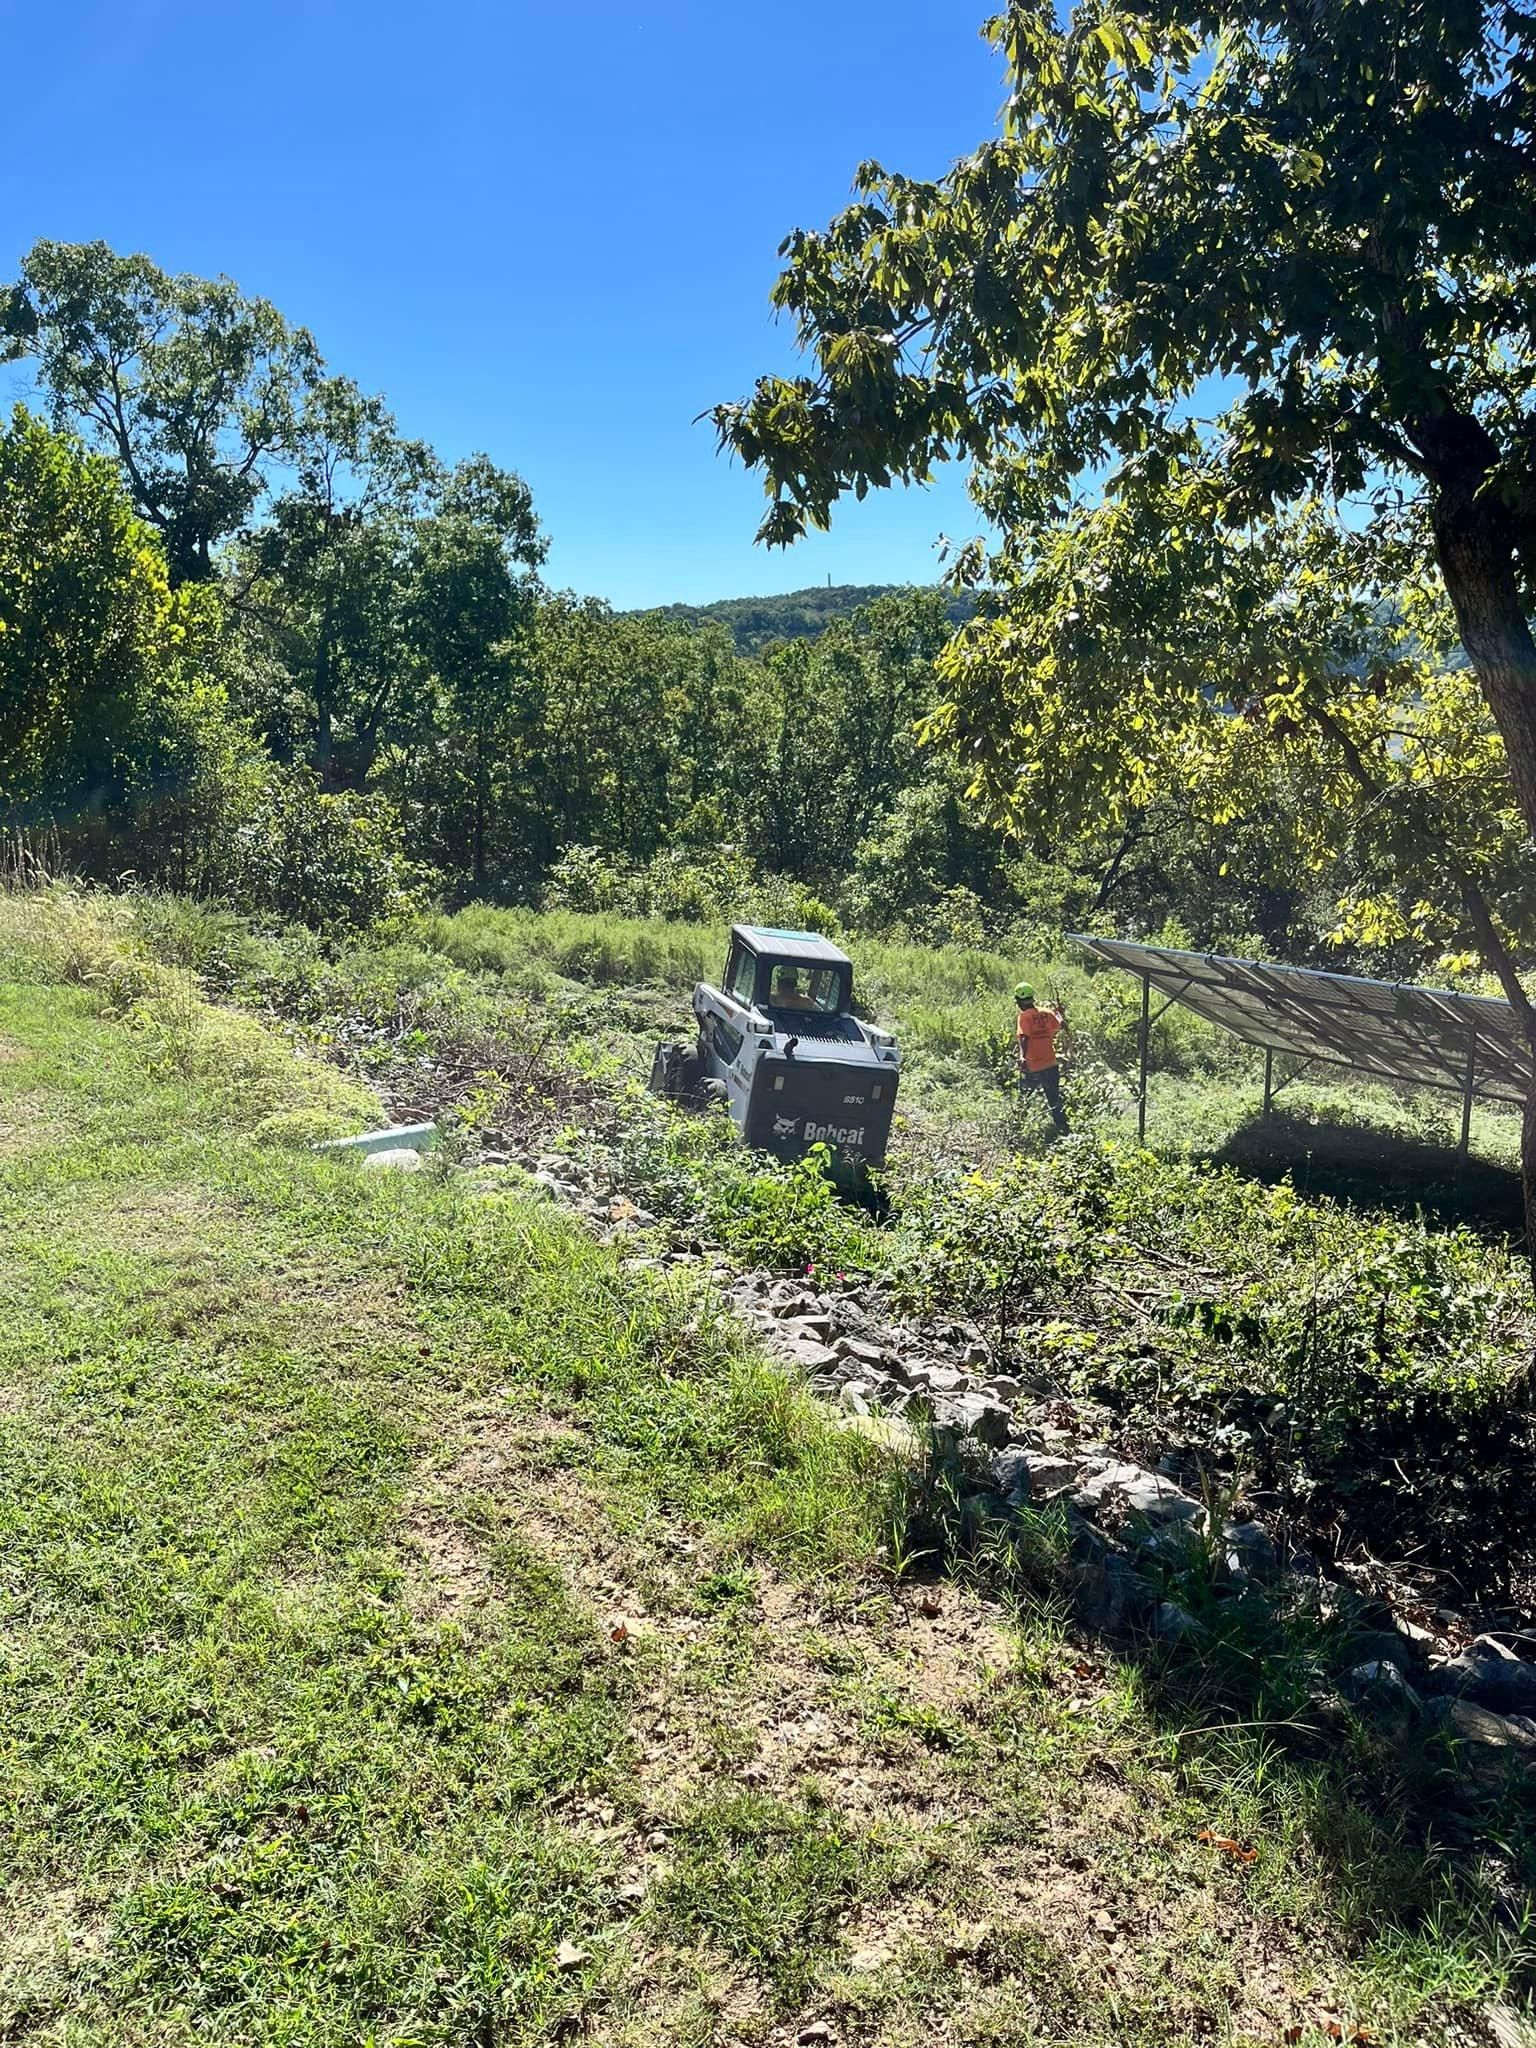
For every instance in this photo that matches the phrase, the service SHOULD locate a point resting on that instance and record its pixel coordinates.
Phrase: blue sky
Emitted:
(542, 229)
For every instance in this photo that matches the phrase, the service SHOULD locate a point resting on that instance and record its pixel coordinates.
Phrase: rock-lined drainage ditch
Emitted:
(1016, 1447)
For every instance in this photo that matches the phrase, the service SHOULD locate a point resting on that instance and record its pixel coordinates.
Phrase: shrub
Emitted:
(335, 862)
(1378, 1363)
(688, 884)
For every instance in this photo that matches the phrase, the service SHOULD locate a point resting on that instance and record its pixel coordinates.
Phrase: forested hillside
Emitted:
(756, 623)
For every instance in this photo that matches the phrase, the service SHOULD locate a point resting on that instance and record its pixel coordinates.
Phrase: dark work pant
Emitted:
(1047, 1081)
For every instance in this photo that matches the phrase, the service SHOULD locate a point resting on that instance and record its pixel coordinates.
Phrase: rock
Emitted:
(984, 1510)
(1488, 1748)
(1010, 1470)
(1127, 1490)
(1171, 1622)
(807, 1329)
(860, 1352)
(1380, 1690)
(886, 1430)
(1106, 1592)
(1049, 1476)
(1489, 1677)
(1386, 1646)
(976, 1353)
(1001, 1388)
(1250, 1552)
(940, 1379)
(394, 1159)
(811, 1356)
(854, 1396)
(971, 1415)
(788, 1300)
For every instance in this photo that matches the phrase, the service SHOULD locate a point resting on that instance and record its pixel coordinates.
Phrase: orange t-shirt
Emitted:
(1037, 1038)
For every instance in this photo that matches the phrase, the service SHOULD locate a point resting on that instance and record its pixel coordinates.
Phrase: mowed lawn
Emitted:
(417, 1629)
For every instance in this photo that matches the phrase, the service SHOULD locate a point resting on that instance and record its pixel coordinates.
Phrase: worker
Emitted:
(786, 990)
(1036, 1041)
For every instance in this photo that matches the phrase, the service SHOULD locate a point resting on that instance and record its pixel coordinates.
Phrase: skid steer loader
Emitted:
(779, 1044)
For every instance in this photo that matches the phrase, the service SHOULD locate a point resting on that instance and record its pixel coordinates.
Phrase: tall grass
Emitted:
(953, 1002)
(525, 946)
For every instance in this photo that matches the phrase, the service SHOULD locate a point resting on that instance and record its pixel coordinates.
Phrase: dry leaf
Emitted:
(1291, 2036)
(815, 2034)
(1235, 1850)
(569, 1957)
(1104, 1921)
(619, 1630)
(930, 1604)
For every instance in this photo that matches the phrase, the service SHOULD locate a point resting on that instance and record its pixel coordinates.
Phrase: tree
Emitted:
(845, 739)
(345, 581)
(468, 621)
(192, 386)
(322, 580)
(1323, 220)
(102, 665)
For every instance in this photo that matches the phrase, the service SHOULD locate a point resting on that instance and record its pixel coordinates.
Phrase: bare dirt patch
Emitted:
(886, 1710)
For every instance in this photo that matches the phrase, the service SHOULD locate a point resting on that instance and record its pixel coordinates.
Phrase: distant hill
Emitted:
(756, 622)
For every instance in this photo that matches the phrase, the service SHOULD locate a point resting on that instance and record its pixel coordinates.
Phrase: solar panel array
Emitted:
(1421, 1037)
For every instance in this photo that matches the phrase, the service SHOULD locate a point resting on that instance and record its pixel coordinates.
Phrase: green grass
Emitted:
(320, 1492)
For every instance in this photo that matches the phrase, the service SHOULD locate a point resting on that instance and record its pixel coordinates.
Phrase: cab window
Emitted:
(741, 976)
(807, 988)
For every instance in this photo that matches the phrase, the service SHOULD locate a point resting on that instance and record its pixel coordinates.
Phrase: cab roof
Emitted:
(765, 939)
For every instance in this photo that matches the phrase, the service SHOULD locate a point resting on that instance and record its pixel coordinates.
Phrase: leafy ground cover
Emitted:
(419, 1627)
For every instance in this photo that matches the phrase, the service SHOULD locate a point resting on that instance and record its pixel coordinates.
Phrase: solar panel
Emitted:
(1419, 1037)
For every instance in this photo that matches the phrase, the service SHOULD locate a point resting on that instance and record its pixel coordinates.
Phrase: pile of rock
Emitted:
(1480, 1704)
(1129, 1527)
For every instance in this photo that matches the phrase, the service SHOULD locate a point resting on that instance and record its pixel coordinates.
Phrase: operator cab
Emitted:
(799, 981)
(779, 1045)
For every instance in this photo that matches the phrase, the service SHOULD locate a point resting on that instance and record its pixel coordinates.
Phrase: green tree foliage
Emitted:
(645, 727)
(319, 584)
(1334, 211)
(468, 616)
(380, 580)
(330, 859)
(192, 386)
(106, 688)
(844, 745)
(757, 623)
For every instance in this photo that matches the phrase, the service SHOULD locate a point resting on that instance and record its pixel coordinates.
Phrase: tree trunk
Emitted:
(324, 748)
(1476, 546)
(479, 812)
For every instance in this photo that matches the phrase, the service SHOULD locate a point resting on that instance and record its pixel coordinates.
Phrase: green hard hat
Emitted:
(1023, 994)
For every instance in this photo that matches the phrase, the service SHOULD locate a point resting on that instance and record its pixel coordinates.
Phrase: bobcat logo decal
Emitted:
(785, 1126)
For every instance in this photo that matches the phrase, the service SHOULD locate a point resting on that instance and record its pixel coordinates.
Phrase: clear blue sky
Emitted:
(542, 228)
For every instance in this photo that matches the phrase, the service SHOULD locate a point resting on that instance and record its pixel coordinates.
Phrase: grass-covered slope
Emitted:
(417, 1628)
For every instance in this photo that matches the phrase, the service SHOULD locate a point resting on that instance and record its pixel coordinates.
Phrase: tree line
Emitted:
(255, 640)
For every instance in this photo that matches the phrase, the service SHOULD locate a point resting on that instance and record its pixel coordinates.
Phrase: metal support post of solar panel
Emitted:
(1391, 1030)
